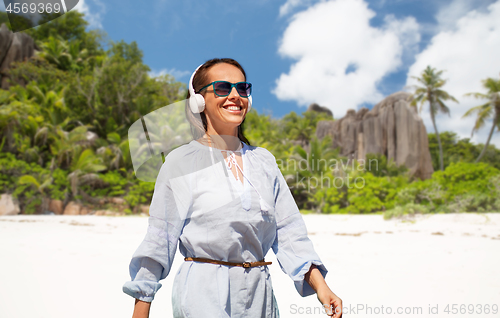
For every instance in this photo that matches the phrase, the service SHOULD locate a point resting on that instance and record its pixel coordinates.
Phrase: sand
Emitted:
(75, 266)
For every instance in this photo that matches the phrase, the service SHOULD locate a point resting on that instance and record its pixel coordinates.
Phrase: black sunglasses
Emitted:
(223, 88)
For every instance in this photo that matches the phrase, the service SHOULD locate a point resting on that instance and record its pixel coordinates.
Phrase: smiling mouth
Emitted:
(233, 108)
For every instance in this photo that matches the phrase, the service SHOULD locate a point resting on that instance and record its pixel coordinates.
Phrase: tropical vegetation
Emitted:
(65, 119)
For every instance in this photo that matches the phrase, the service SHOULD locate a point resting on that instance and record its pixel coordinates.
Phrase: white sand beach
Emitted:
(75, 266)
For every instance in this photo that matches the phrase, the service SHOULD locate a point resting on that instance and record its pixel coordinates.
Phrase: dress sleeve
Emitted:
(152, 260)
(293, 249)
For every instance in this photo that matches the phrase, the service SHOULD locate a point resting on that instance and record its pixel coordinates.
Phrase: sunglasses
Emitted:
(223, 88)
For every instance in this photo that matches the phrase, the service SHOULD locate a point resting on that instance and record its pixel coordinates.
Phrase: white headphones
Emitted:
(197, 101)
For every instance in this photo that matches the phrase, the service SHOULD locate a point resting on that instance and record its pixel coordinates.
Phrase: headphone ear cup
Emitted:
(197, 103)
(200, 101)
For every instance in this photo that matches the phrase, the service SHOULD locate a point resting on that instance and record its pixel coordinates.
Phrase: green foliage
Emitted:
(65, 55)
(30, 183)
(376, 193)
(20, 22)
(460, 150)
(37, 70)
(407, 209)
(115, 185)
(70, 27)
(260, 129)
(126, 52)
(330, 199)
(60, 185)
(460, 187)
(301, 128)
(107, 91)
(11, 170)
(127, 211)
(466, 178)
(379, 166)
(140, 193)
(359, 192)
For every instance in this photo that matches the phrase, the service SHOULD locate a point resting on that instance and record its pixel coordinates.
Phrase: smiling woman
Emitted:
(222, 109)
(226, 204)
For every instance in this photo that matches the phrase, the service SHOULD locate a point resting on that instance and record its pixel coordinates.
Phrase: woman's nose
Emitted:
(233, 93)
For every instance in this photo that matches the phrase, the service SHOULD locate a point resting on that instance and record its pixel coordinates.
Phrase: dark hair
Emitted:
(201, 79)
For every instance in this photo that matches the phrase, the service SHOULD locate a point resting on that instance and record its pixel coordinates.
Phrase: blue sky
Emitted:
(339, 53)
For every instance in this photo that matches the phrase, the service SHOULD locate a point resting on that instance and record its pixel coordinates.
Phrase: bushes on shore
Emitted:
(461, 187)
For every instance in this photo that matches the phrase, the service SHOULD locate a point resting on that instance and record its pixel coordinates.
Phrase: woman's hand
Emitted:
(330, 301)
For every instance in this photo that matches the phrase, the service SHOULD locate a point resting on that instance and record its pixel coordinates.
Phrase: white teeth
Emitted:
(233, 108)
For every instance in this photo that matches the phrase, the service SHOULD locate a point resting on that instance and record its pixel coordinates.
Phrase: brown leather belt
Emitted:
(213, 261)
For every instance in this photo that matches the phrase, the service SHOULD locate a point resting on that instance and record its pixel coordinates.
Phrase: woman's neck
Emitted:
(223, 142)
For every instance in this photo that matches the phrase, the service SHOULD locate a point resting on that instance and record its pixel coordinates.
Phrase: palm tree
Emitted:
(50, 100)
(64, 144)
(41, 183)
(65, 55)
(79, 58)
(83, 171)
(15, 110)
(490, 109)
(55, 50)
(431, 92)
(316, 159)
(113, 154)
(297, 128)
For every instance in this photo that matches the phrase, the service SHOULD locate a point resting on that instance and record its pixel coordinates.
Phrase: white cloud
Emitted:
(93, 18)
(174, 72)
(289, 5)
(468, 51)
(449, 14)
(407, 32)
(339, 57)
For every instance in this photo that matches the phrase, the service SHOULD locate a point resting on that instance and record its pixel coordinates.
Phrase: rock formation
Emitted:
(72, 208)
(8, 205)
(56, 206)
(391, 128)
(13, 47)
(320, 109)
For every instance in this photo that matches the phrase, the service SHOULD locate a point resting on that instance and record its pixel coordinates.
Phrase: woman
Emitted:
(226, 203)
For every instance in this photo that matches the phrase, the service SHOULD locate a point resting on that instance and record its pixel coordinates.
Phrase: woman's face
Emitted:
(225, 114)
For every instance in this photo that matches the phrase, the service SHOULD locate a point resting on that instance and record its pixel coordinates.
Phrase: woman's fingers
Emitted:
(328, 309)
(334, 308)
(337, 308)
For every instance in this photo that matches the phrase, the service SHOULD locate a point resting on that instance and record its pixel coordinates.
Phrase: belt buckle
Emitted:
(246, 264)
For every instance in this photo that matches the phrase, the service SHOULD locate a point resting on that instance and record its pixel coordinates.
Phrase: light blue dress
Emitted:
(199, 204)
